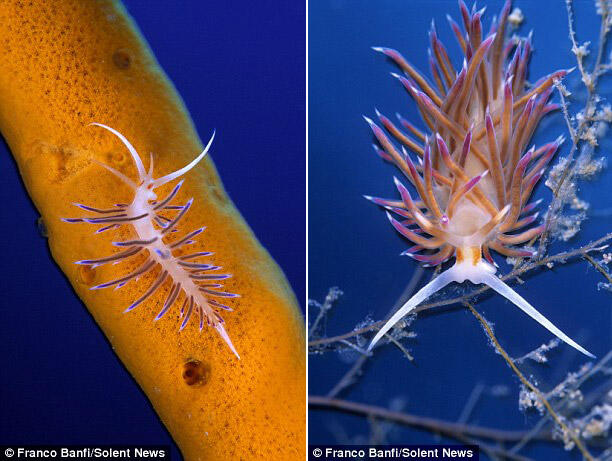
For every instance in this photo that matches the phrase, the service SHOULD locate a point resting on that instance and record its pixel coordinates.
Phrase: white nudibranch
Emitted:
(188, 278)
(475, 175)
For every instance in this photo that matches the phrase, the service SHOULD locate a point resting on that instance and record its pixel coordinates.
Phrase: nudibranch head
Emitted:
(475, 173)
(147, 183)
(193, 284)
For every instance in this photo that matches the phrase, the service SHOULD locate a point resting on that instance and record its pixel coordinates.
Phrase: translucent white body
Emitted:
(189, 278)
(162, 254)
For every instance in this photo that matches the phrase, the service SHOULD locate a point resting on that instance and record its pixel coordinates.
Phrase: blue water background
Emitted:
(240, 69)
(352, 245)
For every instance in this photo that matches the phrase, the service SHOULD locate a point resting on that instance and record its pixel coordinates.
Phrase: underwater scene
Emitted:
(509, 345)
(101, 377)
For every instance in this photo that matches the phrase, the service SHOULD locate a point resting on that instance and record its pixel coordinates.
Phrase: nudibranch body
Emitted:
(475, 173)
(144, 213)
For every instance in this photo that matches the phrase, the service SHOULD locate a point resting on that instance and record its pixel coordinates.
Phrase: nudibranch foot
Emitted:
(189, 279)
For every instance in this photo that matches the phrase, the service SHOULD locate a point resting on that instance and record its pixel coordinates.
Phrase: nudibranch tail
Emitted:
(474, 173)
(195, 283)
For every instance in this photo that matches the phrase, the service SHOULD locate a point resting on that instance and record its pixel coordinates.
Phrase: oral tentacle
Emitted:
(432, 287)
(142, 174)
(117, 173)
(500, 287)
(178, 173)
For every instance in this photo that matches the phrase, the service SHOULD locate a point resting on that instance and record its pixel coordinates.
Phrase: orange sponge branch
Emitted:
(83, 62)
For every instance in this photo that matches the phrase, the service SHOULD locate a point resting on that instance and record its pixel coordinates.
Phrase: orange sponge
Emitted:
(66, 64)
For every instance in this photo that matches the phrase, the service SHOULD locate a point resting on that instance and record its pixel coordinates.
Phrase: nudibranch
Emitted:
(145, 215)
(475, 172)
(67, 63)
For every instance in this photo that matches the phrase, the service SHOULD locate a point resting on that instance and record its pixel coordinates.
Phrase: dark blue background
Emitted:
(352, 245)
(240, 68)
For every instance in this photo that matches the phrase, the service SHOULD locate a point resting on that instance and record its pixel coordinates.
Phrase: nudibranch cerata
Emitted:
(146, 215)
(475, 173)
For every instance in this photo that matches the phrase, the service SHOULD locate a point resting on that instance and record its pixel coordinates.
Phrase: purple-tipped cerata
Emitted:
(147, 217)
(475, 171)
